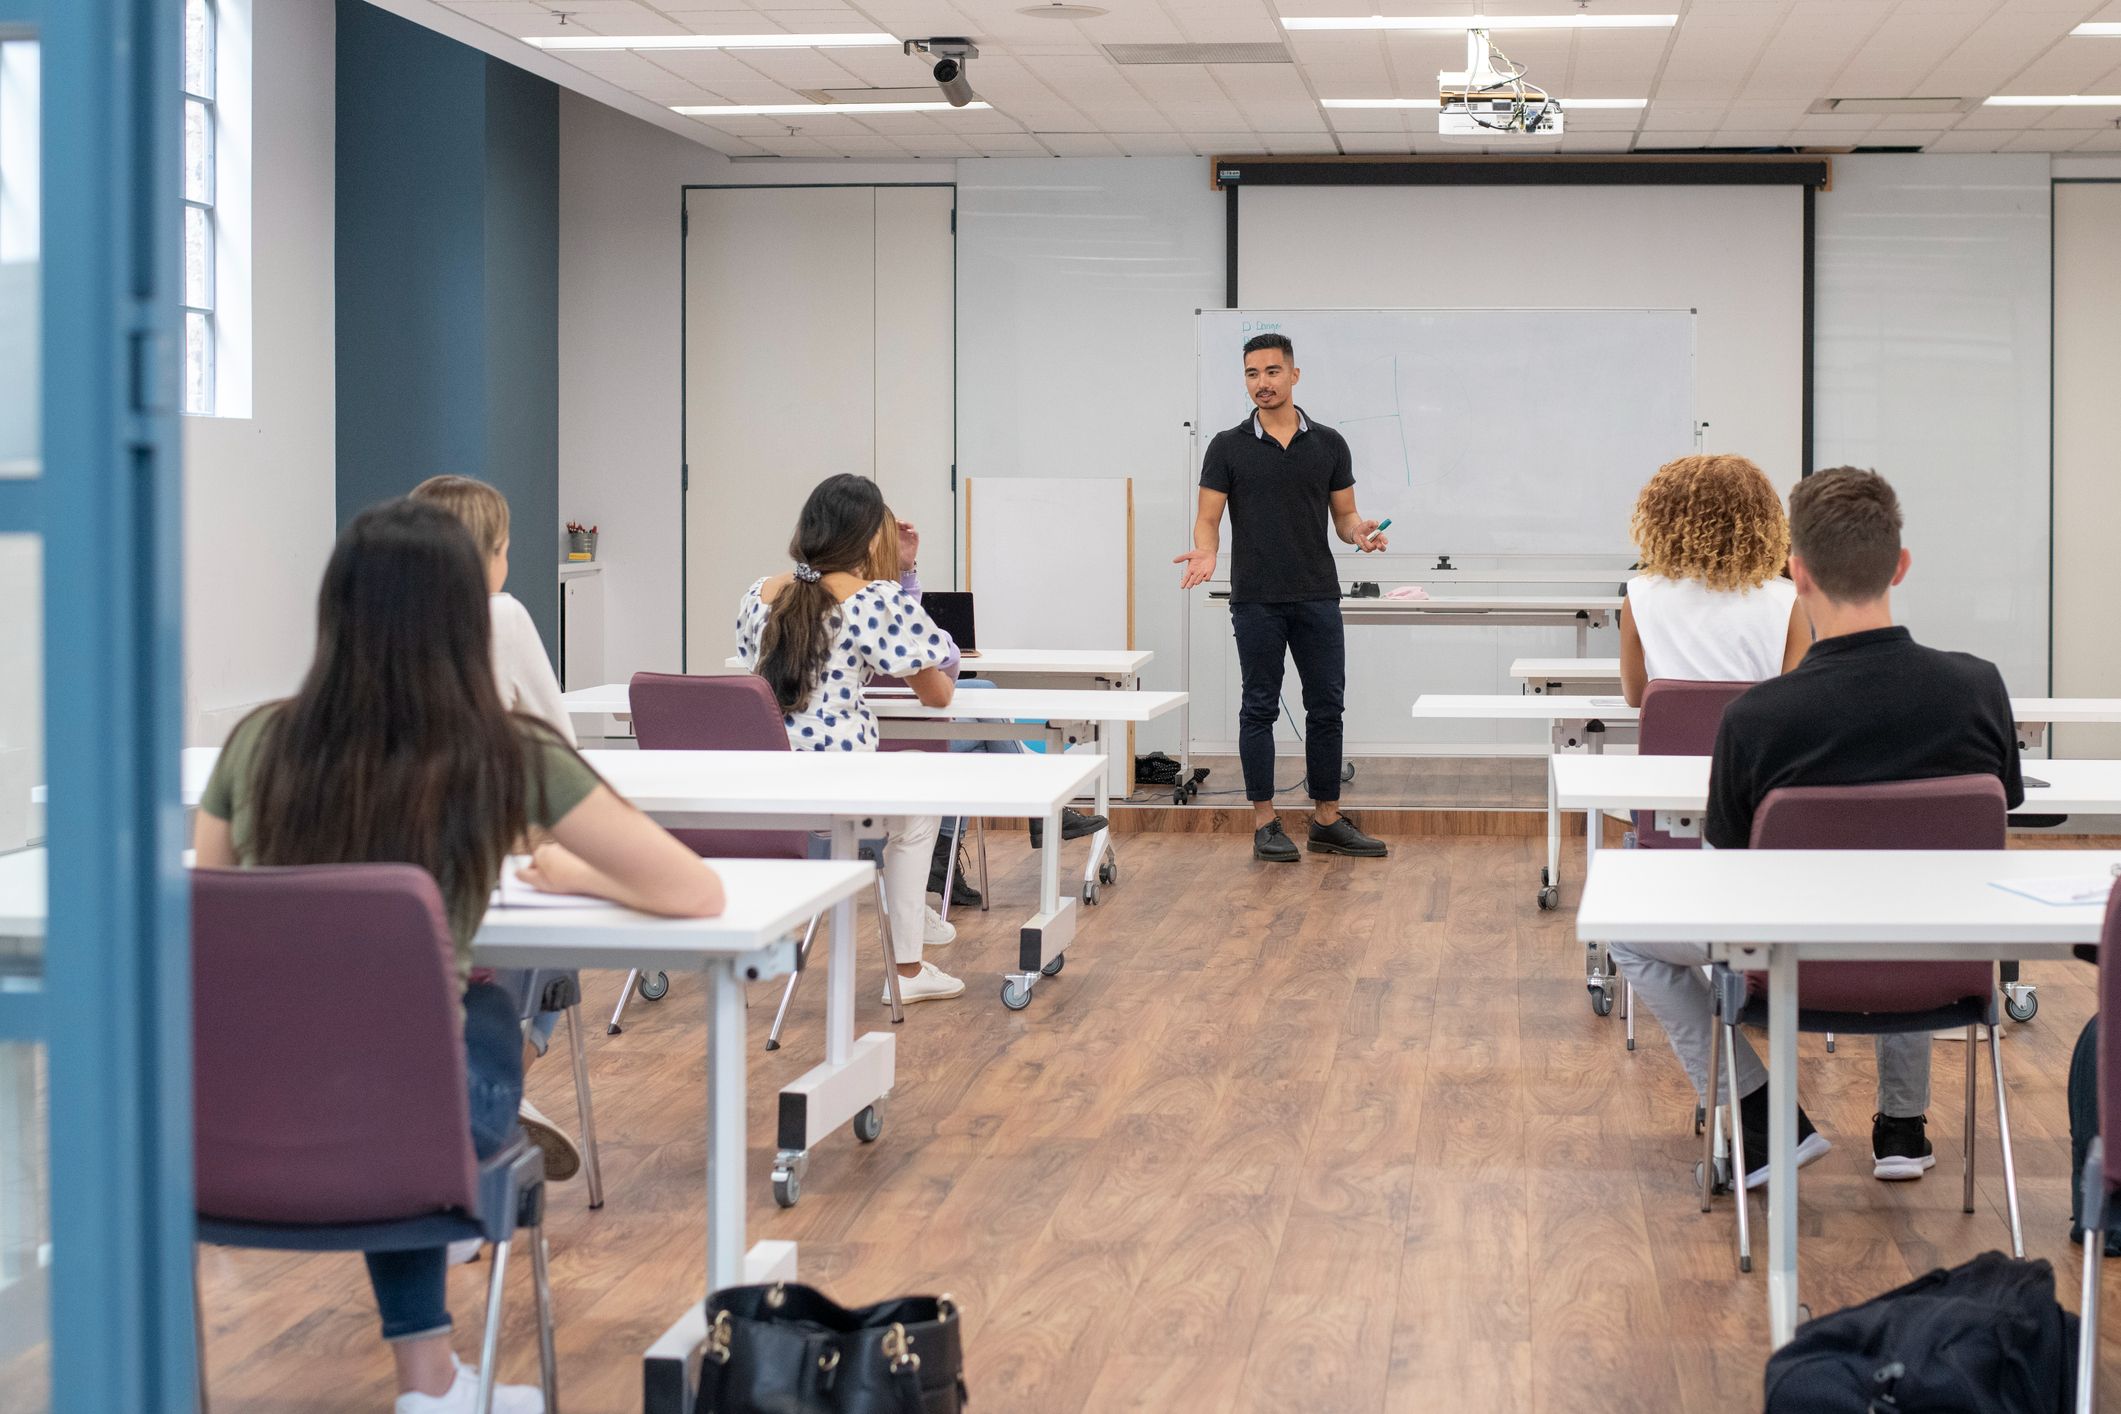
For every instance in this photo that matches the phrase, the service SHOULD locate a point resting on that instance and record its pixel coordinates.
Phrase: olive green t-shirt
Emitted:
(557, 781)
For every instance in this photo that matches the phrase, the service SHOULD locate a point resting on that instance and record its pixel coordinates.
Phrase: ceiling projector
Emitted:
(1491, 102)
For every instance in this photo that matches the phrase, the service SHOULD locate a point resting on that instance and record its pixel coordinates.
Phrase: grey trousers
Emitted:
(1668, 978)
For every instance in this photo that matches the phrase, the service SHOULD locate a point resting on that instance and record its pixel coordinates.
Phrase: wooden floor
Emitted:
(1343, 1136)
(1410, 782)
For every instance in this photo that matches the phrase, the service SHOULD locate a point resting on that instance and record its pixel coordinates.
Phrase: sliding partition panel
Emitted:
(95, 1068)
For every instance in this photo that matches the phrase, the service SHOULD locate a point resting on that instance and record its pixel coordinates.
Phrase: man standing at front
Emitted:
(1282, 476)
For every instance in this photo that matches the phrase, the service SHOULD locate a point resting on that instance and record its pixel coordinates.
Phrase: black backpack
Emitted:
(1983, 1338)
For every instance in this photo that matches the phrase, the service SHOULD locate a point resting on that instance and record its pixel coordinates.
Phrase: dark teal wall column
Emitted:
(447, 256)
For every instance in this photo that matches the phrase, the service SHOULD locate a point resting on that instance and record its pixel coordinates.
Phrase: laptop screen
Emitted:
(952, 612)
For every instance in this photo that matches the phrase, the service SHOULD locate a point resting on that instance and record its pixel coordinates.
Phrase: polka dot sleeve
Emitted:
(893, 635)
(750, 625)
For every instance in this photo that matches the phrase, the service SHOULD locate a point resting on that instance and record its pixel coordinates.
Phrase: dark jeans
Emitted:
(412, 1287)
(1311, 634)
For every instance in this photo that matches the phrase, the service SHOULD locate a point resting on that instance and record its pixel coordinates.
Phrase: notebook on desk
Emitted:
(952, 611)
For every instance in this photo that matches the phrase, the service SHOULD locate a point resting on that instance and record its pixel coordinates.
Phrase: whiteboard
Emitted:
(1480, 431)
(1051, 561)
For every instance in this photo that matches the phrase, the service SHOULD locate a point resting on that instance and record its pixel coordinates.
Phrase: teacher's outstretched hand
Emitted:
(1367, 536)
(1200, 567)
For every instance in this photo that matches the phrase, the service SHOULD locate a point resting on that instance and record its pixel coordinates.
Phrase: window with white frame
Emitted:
(200, 132)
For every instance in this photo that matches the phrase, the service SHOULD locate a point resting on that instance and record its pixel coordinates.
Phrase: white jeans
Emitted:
(909, 845)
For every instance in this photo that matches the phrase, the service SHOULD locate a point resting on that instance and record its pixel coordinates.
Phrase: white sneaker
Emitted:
(462, 1397)
(931, 985)
(465, 1251)
(935, 932)
(562, 1159)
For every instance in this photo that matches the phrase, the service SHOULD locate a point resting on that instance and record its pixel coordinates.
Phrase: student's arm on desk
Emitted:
(933, 686)
(1634, 675)
(1207, 537)
(606, 848)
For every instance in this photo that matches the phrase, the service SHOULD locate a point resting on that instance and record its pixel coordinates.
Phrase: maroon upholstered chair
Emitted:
(2101, 1182)
(1885, 998)
(1680, 718)
(312, 1136)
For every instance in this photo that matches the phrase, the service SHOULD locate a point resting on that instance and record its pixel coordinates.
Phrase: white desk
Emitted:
(1767, 910)
(1590, 724)
(1093, 668)
(1582, 612)
(1567, 677)
(768, 899)
(1057, 717)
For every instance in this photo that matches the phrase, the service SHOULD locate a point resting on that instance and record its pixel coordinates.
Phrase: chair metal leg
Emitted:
(883, 932)
(2088, 1296)
(633, 979)
(780, 1018)
(2003, 1130)
(593, 1167)
(1740, 1164)
(1966, 1197)
(950, 868)
(198, 1330)
(1627, 1009)
(986, 894)
(490, 1344)
(1708, 1131)
(541, 1282)
(1829, 1043)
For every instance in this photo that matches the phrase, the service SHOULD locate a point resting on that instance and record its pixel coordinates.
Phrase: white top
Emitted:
(819, 787)
(1692, 632)
(1682, 783)
(521, 668)
(1857, 903)
(877, 630)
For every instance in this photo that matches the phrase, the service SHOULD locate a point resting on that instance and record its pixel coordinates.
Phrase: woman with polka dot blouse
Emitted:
(816, 636)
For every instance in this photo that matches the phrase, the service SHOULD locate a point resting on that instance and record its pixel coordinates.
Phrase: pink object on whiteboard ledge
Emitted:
(1408, 591)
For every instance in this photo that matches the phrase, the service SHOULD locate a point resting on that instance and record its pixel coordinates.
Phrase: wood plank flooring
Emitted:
(1343, 1136)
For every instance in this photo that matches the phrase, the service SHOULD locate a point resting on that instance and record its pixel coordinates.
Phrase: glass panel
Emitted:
(198, 258)
(198, 364)
(198, 151)
(25, 1235)
(198, 48)
(20, 439)
(25, 1207)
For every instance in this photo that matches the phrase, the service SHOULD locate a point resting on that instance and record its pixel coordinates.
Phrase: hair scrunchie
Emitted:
(806, 574)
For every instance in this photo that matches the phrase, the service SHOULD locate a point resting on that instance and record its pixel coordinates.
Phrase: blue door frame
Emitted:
(115, 1010)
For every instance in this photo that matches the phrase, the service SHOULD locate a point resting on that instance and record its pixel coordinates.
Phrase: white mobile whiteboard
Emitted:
(1052, 561)
(1480, 431)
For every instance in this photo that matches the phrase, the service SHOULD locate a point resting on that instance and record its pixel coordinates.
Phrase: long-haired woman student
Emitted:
(396, 748)
(816, 635)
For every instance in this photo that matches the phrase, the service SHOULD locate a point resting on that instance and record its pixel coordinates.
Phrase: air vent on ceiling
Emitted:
(1060, 10)
(1891, 105)
(1196, 53)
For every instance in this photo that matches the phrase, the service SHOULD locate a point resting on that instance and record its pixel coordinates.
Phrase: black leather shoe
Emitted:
(962, 894)
(1074, 825)
(1341, 837)
(1271, 843)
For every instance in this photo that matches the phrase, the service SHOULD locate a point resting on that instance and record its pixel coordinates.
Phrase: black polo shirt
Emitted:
(1861, 709)
(1280, 512)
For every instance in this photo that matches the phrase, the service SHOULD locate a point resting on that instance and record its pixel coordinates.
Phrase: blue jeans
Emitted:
(1311, 633)
(411, 1287)
(948, 829)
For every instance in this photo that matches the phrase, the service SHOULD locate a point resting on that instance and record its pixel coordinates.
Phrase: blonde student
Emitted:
(1710, 604)
(816, 635)
(396, 749)
(520, 664)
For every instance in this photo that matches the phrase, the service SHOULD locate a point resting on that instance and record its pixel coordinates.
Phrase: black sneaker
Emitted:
(1341, 837)
(962, 894)
(1752, 1120)
(1270, 842)
(1074, 825)
(1900, 1148)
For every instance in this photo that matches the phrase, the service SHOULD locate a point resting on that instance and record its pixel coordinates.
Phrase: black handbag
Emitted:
(786, 1349)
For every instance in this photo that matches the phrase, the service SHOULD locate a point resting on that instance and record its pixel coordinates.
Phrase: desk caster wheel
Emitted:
(1053, 968)
(868, 1125)
(1549, 898)
(1601, 1001)
(1108, 871)
(1090, 891)
(652, 989)
(787, 1187)
(1701, 1119)
(2023, 1007)
(1015, 995)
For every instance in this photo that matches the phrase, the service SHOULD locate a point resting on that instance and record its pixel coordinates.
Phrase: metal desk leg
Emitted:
(1042, 945)
(857, 1073)
(725, 1128)
(1550, 877)
(1782, 1145)
(1102, 867)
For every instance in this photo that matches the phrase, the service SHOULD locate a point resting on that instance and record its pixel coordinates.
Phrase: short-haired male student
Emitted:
(1867, 704)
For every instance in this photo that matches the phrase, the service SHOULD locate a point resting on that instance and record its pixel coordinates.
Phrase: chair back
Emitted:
(2110, 1035)
(1679, 718)
(328, 1079)
(1948, 812)
(676, 712)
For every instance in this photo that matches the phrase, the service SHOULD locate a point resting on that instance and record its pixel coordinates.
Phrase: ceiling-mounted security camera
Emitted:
(949, 71)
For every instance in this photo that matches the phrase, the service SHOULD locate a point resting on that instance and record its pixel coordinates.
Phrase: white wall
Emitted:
(259, 510)
(2087, 449)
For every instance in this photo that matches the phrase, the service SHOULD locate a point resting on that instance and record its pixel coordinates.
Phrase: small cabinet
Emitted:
(581, 626)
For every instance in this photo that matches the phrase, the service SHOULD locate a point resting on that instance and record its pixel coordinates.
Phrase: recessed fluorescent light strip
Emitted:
(2055, 100)
(715, 41)
(1432, 103)
(1449, 23)
(783, 110)
(2099, 29)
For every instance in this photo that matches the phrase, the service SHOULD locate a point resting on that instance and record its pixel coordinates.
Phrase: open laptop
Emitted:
(952, 612)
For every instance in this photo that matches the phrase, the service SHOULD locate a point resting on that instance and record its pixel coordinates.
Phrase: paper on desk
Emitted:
(2073, 890)
(514, 893)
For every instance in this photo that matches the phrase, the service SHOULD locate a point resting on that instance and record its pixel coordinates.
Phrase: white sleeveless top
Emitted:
(1691, 631)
